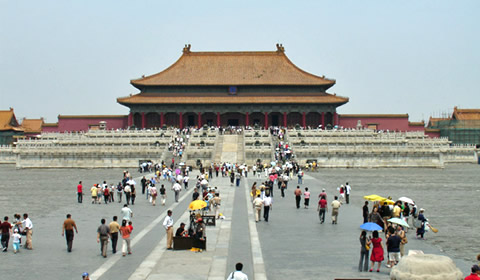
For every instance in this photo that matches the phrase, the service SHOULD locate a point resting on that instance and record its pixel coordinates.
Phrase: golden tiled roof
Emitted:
(466, 114)
(8, 121)
(433, 121)
(233, 69)
(422, 123)
(32, 125)
(319, 99)
(91, 116)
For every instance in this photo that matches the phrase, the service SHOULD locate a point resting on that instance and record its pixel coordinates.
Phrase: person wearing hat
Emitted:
(474, 274)
(85, 276)
(16, 241)
(422, 219)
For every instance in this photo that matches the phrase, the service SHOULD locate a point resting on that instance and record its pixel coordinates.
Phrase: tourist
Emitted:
(144, 184)
(322, 208)
(133, 194)
(103, 233)
(80, 192)
(114, 229)
(403, 237)
(422, 220)
(67, 230)
(185, 181)
(397, 209)
(323, 193)
(177, 189)
(283, 187)
(237, 274)
(28, 229)
(238, 176)
(85, 276)
(300, 177)
(377, 251)
(16, 241)
(298, 196)
(6, 229)
(253, 192)
(364, 252)
(216, 204)
(475, 273)
(111, 197)
(267, 206)
(393, 248)
(126, 212)
(181, 231)
(195, 194)
(153, 194)
(342, 193)
(406, 213)
(99, 193)
(125, 231)
(335, 206)
(232, 177)
(257, 205)
(385, 213)
(119, 192)
(127, 190)
(163, 194)
(94, 190)
(106, 194)
(306, 195)
(168, 225)
(365, 212)
(200, 235)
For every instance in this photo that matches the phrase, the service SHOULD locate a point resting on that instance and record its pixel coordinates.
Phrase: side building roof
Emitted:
(8, 121)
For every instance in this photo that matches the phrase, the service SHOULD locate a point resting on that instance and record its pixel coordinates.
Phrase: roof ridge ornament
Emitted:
(280, 48)
(186, 49)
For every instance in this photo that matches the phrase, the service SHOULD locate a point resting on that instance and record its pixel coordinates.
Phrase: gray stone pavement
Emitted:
(293, 244)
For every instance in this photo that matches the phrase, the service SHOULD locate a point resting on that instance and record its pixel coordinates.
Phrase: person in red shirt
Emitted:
(80, 192)
(322, 208)
(6, 229)
(475, 273)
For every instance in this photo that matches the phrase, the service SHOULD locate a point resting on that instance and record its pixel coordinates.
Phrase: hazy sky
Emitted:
(76, 57)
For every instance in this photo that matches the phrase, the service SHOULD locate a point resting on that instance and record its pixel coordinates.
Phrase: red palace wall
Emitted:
(383, 123)
(83, 123)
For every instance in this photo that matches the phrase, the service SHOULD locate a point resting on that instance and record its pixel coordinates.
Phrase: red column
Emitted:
(335, 121)
(304, 120)
(181, 119)
(285, 119)
(323, 119)
(143, 120)
(130, 119)
(162, 119)
(247, 121)
(266, 120)
(218, 120)
(199, 119)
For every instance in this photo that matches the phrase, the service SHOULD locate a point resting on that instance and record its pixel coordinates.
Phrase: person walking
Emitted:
(80, 192)
(6, 230)
(94, 191)
(103, 233)
(177, 188)
(153, 195)
(298, 196)
(119, 192)
(364, 252)
(393, 248)
(257, 205)
(67, 230)
(163, 194)
(421, 220)
(322, 208)
(306, 195)
(168, 225)
(114, 229)
(348, 189)
(125, 230)
(377, 252)
(28, 229)
(126, 212)
(237, 274)
(16, 241)
(365, 212)
(216, 202)
(267, 206)
(335, 206)
(238, 177)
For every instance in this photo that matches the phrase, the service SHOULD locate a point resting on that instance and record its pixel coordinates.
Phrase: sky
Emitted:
(69, 57)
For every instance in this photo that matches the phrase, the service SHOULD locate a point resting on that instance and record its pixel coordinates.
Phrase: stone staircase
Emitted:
(230, 149)
(218, 149)
(240, 149)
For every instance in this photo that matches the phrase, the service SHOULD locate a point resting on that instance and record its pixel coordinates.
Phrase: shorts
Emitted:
(94, 197)
(394, 256)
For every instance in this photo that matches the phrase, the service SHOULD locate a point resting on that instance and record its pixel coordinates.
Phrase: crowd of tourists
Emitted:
(19, 229)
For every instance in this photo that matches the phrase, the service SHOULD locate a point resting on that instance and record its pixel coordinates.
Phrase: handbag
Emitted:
(367, 247)
(404, 240)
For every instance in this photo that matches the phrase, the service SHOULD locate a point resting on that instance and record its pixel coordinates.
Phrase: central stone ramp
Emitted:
(229, 148)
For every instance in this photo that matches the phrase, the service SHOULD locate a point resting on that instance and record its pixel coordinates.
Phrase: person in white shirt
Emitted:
(127, 213)
(176, 188)
(168, 225)
(348, 189)
(267, 206)
(28, 226)
(238, 274)
(257, 205)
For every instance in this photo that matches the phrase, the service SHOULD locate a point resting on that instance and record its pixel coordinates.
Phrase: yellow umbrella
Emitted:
(256, 194)
(197, 205)
(374, 197)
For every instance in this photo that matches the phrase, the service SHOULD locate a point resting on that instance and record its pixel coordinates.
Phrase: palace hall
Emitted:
(233, 88)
